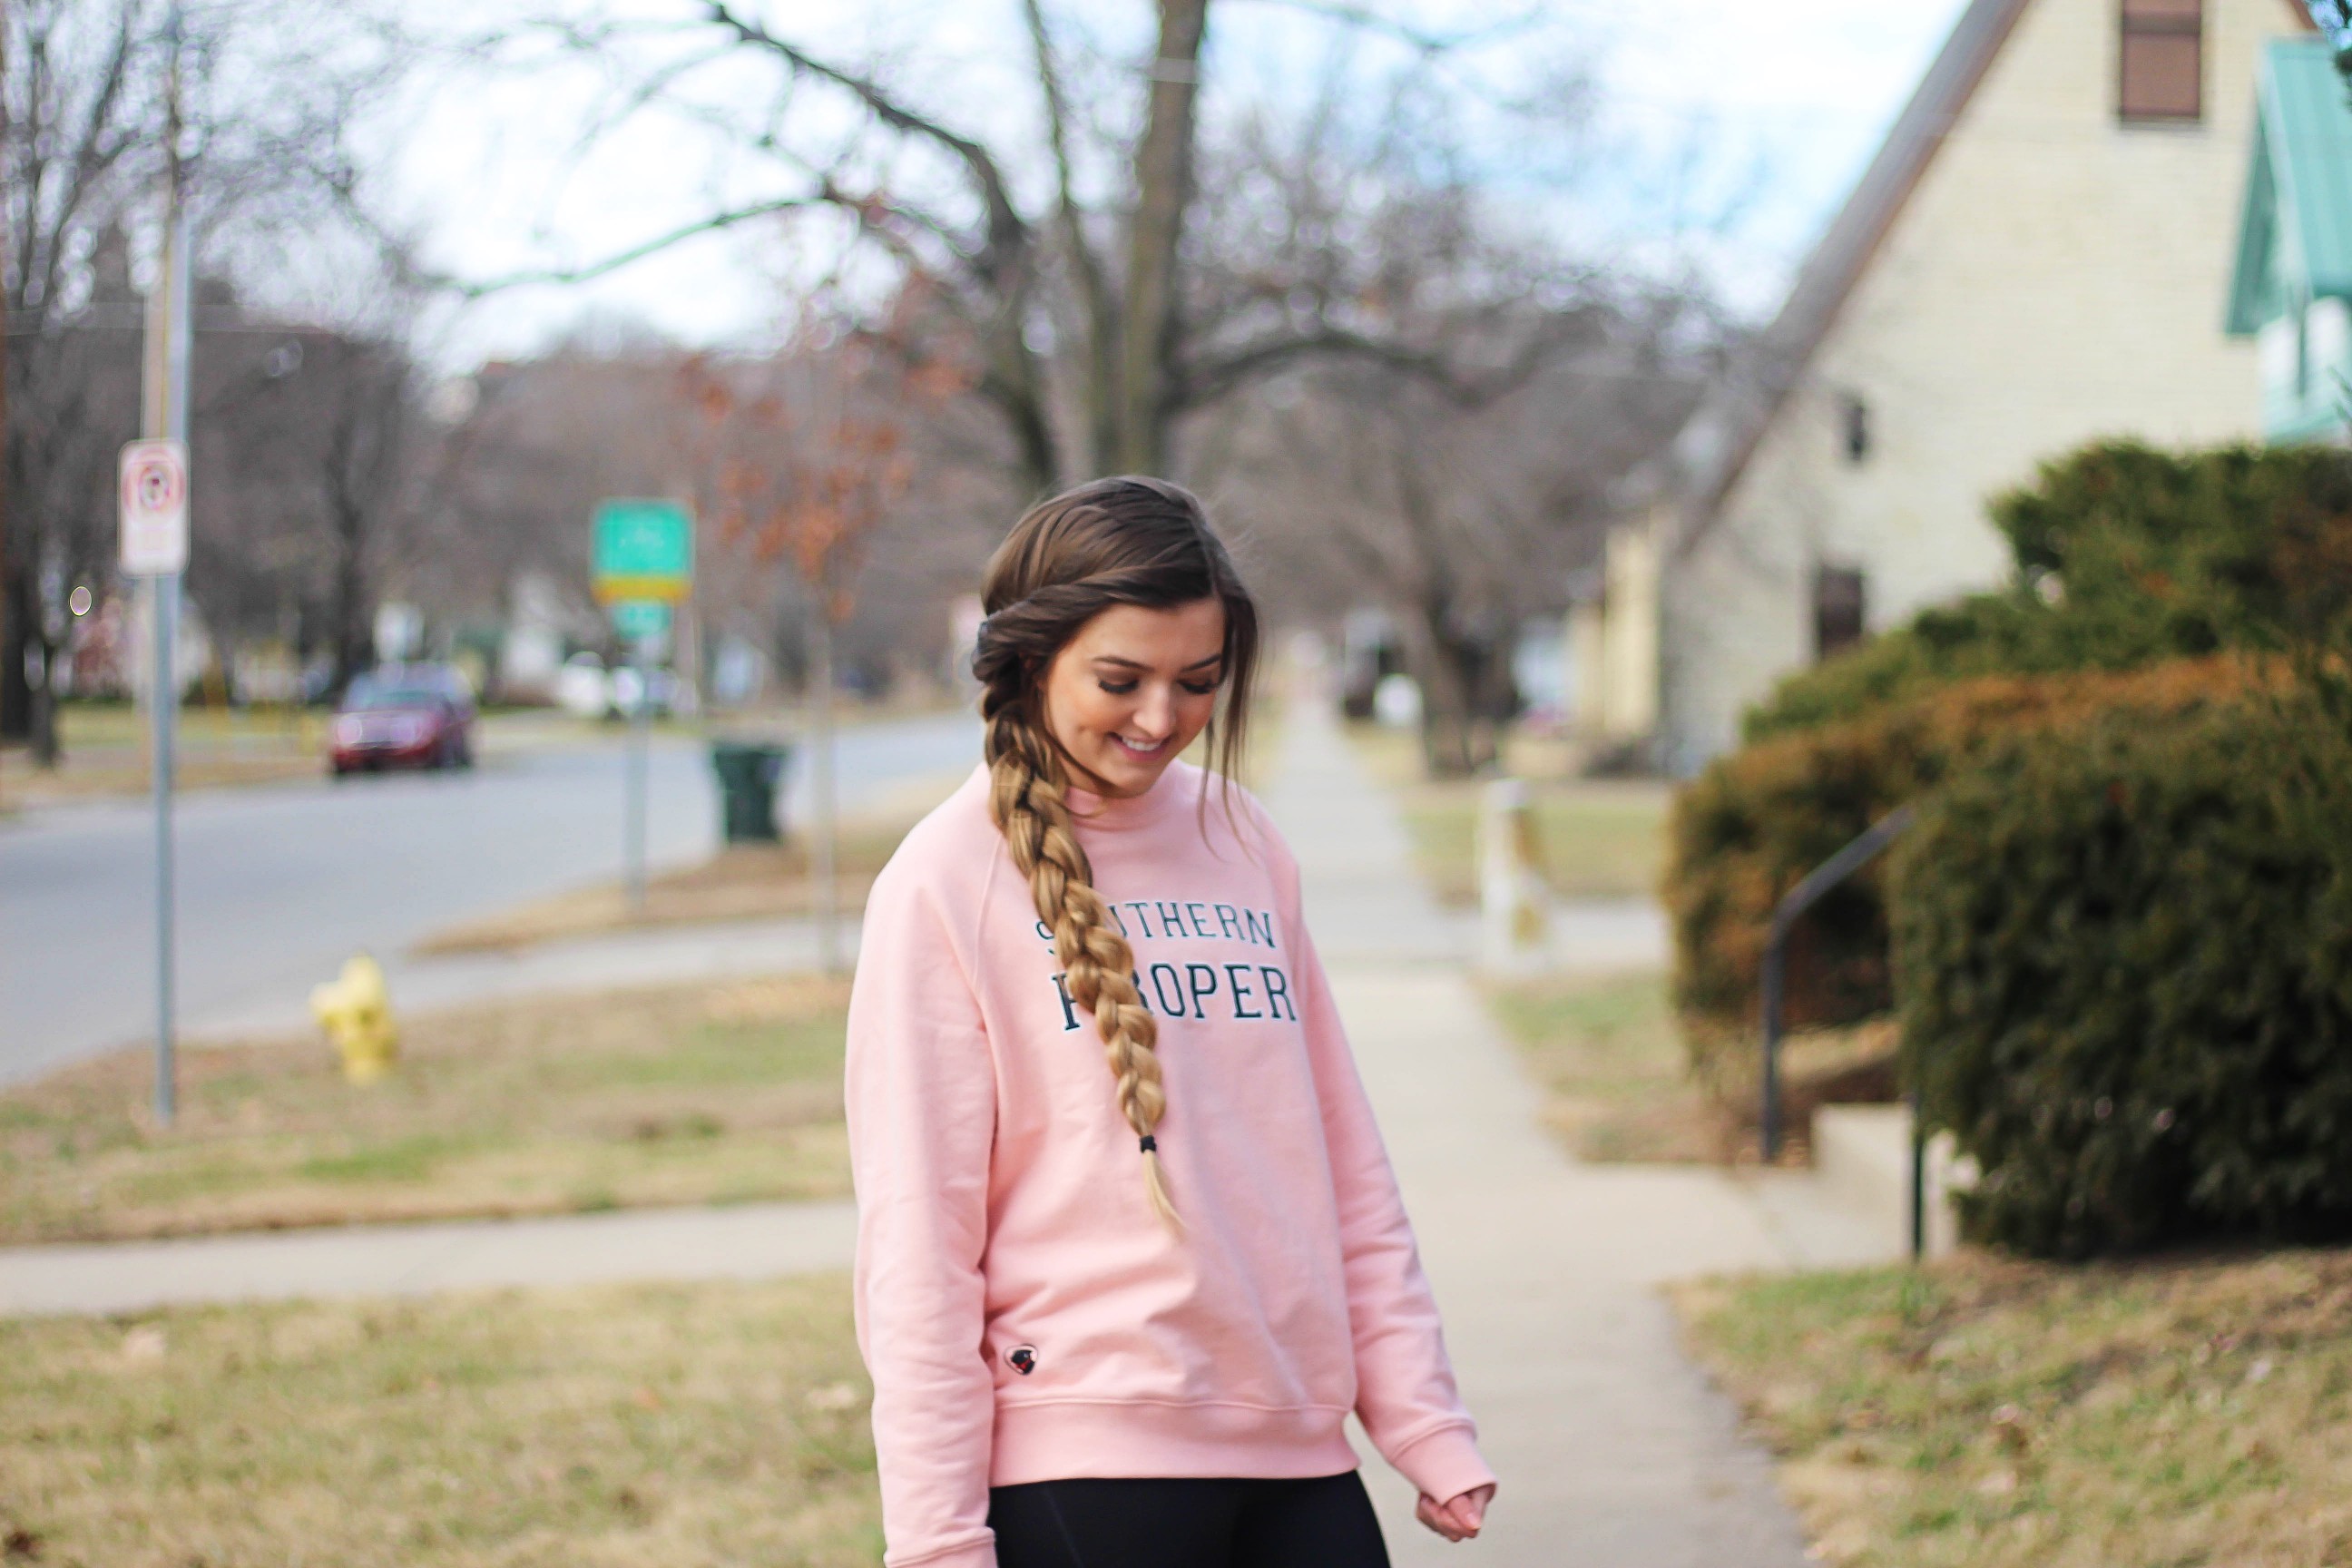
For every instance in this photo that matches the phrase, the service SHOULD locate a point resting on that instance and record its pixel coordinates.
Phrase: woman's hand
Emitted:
(1456, 1518)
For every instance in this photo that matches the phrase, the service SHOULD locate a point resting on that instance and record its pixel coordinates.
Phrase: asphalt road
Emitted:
(278, 884)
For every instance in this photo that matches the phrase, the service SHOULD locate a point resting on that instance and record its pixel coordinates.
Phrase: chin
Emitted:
(1127, 774)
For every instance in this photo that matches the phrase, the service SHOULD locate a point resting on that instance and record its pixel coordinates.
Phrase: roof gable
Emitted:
(1725, 433)
(1715, 446)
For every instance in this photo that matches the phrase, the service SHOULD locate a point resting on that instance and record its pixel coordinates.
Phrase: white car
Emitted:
(583, 688)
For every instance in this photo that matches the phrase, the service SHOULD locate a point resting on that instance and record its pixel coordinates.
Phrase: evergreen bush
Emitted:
(1749, 827)
(2125, 954)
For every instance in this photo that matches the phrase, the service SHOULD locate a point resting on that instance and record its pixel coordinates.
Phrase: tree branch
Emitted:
(1008, 236)
(636, 253)
(1427, 42)
(1094, 289)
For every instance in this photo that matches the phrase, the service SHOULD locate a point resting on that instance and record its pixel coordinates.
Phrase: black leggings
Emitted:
(1326, 1522)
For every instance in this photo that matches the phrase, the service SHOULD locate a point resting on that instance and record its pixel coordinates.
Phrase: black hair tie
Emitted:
(1151, 1144)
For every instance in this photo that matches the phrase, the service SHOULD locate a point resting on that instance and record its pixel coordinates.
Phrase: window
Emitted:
(2161, 60)
(1854, 427)
(1838, 605)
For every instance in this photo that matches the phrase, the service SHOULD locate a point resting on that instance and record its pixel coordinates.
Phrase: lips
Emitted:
(1140, 752)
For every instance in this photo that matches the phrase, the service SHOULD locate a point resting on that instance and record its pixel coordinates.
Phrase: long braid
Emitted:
(1026, 798)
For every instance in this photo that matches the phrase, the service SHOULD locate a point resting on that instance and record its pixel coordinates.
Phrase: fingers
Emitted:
(1444, 1519)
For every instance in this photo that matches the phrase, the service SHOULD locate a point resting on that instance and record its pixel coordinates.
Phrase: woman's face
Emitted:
(1133, 689)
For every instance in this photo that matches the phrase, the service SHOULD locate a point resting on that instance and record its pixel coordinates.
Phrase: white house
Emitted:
(2037, 256)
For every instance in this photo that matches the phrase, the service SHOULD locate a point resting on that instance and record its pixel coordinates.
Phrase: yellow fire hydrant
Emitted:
(356, 1012)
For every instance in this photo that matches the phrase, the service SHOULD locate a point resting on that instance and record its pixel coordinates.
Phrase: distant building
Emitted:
(2292, 290)
(2034, 259)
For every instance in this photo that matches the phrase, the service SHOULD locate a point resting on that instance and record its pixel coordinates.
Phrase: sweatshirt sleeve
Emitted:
(1405, 1393)
(922, 1100)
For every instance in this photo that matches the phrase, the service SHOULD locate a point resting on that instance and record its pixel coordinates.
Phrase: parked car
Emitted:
(412, 715)
(583, 688)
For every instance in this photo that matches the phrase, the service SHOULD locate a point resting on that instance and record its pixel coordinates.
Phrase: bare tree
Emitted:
(312, 474)
(1071, 295)
(1462, 519)
(269, 92)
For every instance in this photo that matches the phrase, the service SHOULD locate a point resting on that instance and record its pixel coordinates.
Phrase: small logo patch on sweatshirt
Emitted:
(1023, 1359)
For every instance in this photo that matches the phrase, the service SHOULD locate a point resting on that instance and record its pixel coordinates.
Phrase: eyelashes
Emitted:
(1122, 688)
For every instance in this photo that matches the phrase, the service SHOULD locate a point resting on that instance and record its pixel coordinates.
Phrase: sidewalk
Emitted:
(1611, 1448)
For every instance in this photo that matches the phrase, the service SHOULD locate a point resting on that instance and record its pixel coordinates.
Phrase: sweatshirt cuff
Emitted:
(1445, 1464)
(978, 1554)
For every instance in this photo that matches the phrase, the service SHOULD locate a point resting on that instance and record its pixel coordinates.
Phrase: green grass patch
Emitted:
(1988, 1412)
(1596, 838)
(672, 1096)
(628, 1427)
(1610, 1057)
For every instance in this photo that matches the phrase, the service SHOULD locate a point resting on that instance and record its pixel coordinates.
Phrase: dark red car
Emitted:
(404, 716)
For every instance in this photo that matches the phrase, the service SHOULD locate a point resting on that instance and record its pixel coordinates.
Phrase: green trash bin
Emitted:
(750, 774)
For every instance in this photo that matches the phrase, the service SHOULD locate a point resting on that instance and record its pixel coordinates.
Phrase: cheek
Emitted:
(1193, 713)
(1080, 706)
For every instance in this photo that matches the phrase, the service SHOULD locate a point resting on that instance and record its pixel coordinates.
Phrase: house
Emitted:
(2032, 260)
(2292, 290)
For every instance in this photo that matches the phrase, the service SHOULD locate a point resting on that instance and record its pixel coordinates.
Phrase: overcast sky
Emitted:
(1784, 101)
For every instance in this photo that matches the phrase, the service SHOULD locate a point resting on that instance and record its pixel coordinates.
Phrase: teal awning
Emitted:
(2295, 229)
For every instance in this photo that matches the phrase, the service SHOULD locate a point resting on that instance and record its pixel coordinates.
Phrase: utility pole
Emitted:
(7, 587)
(165, 416)
(829, 893)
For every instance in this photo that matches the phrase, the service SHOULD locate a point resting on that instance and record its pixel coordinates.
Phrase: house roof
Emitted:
(1715, 446)
(2295, 227)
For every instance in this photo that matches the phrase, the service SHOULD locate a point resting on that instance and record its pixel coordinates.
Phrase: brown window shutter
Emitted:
(2160, 63)
(1841, 605)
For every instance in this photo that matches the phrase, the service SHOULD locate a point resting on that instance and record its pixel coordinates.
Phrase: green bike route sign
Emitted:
(644, 551)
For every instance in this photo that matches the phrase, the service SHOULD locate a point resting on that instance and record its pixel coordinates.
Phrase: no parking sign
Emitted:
(155, 497)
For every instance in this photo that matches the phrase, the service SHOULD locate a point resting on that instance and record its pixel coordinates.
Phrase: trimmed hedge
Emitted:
(2126, 556)
(2126, 960)
(1749, 827)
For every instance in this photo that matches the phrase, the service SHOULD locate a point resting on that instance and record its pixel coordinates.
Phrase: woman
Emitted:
(1115, 1319)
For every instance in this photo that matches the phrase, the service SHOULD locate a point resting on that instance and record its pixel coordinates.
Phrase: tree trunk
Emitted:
(1438, 664)
(1163, 190)
(15, 697)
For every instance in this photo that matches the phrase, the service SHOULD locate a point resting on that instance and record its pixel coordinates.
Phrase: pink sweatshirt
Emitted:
(1001, 1207)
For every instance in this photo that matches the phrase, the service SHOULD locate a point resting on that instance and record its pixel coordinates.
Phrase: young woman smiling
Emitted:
(1116, 1320)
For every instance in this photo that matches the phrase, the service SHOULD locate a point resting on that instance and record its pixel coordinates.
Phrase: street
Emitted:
(278, 884)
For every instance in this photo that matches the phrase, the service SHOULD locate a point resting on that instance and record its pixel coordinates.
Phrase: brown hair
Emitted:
(1113, 541)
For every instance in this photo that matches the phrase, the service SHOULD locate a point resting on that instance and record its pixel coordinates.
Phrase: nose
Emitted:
(1155, 714)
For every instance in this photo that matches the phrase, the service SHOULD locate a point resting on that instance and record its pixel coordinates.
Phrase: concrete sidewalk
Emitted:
(750, 1241)
(1611, 1448)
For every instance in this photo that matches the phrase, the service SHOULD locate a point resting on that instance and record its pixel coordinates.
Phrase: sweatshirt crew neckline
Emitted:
(1178, 787)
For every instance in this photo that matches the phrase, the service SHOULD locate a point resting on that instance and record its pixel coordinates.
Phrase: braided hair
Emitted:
(1127, 541)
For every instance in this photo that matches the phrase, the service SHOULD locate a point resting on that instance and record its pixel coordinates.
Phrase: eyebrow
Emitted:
(1131, 664)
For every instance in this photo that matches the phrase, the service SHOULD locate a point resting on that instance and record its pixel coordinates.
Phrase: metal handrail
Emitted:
(1799, 899)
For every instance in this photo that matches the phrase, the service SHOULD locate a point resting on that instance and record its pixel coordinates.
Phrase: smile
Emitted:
(1139, 748)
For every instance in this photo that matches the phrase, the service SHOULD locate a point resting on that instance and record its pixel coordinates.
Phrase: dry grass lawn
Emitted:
(745, 881)
(1610, 1058)
(615, 1427)
(2003, 1415)
(104, 748)
(1598, 839)
(679, 1095)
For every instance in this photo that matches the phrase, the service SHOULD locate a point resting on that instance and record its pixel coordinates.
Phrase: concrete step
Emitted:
(1862, 1162)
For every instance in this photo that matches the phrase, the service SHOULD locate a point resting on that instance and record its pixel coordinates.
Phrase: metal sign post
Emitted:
(643, 562)
(154, 545)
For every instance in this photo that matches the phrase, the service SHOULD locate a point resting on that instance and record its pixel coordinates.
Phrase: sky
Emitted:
(1747, 124)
